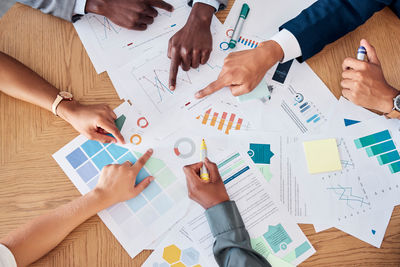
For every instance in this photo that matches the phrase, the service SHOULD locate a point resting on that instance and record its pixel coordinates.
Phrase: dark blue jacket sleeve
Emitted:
(327, 20)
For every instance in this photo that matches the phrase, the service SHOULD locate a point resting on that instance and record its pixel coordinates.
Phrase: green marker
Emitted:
(239, 25)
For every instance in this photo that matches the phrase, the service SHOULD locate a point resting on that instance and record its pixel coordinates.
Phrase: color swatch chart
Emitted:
(140, 220)
(381, 146)
(222, 122)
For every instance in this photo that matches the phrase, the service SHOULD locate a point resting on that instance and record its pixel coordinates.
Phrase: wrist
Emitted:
(103, 199)
(66, 109)
(271, 50)
(201, 13)
(95, 6)
(388, 102)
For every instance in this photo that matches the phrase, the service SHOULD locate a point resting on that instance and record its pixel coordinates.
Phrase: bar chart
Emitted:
(222, 121)
(381, 146)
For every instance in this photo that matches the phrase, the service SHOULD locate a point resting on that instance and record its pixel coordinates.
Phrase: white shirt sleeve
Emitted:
(6, 257)
(289, 44)
(79, 8)
(213, 3)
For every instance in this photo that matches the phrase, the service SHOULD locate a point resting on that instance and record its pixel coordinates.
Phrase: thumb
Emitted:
(143, 184)
(371, 52)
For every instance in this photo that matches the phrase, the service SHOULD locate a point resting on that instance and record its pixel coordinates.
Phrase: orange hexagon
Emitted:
(172, 254)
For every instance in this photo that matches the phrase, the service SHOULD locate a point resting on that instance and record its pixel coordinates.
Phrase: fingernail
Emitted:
(152, 179)
(172, 88)
(197, 95)
(206, 159)
(150, 150)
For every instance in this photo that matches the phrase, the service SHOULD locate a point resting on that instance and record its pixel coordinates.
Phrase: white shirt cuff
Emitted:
(289, 44)
(6, 257)
(213, 3)
(79, 8)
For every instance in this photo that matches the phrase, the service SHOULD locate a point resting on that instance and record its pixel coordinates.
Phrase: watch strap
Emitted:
(56, 102)
(394, 114)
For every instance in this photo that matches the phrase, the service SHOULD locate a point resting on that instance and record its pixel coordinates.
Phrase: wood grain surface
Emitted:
(32, 183)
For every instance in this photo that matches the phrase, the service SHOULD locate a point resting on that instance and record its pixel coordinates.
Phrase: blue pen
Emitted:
(361, 53)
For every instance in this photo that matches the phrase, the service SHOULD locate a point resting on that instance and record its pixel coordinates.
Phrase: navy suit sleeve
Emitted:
(327, 20)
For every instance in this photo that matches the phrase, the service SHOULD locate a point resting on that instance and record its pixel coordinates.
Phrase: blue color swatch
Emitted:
(102, 159)
(162, 203)
(152, 190)
(136, 203)
(87, 171)
(116, 151)
(76, 158)
(91, 147)
(128, 157)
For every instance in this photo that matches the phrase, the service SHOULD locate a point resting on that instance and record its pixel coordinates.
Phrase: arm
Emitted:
(38, 237)
(62, 9)
(232, 242)
(191, 45)
(92, 121)
(327, 20)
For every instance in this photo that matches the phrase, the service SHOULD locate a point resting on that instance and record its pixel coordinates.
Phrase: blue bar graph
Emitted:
(305, 109)
(388, 157)
(372, 139)
(303, 105)
(312, 118)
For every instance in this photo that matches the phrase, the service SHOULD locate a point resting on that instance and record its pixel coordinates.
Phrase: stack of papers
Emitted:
(303, 156)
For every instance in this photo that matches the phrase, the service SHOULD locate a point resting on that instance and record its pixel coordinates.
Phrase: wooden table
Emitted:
(32, 183)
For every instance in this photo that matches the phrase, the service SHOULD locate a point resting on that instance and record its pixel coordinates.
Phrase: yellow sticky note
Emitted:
(322, 156)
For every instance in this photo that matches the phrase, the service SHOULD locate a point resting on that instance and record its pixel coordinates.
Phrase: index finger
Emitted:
(193, 168)
(143, 159)
(213, 169)
(173, 70)
(212, 87)
(110, 127)
(162, 5)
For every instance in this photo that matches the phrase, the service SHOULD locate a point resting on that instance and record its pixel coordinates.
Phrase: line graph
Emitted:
(103, 28)
(346, 194)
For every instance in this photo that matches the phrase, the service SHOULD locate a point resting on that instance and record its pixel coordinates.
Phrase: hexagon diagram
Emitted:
(171, 254)
(190, 256)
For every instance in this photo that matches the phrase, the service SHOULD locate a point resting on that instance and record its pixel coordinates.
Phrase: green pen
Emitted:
(239, 25)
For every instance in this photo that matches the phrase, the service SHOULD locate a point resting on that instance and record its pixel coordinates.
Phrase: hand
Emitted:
(206, 193)
(117, 182)
(244, 70)
(131, 14)
(364, 83)
(192, 44)
(93, 121)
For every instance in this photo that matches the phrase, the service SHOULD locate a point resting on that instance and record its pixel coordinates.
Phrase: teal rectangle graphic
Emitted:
(372, 139)
(394, 167)
(388, 157)
(380, 148)
(300, 250)
(222, 164)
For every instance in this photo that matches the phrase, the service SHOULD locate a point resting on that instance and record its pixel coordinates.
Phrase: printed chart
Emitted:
(224, 122)
(261, 155)
(302, 111)
(380, 146)
(105, 31)
(244, 42)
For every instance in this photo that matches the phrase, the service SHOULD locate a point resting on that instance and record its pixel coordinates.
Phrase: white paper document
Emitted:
(141, 220)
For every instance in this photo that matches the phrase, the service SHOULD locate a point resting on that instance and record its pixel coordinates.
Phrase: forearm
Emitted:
(326, 21)
(19, 81)
(38, 237)
(232, 241)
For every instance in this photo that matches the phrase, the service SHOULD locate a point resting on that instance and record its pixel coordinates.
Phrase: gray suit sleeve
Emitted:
(59, 8)
(222, 4)
(232, 241)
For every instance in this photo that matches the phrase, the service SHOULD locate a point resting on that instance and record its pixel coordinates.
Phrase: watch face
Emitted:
(65, 95)
(397, 103)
